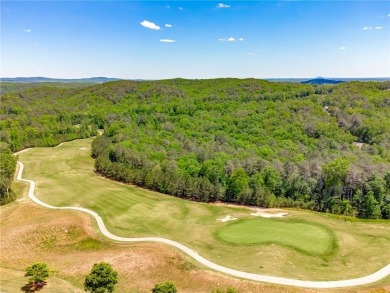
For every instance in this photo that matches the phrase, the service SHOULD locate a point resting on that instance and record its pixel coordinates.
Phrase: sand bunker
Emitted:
(268, 215)
(227, 218)
(83, 148)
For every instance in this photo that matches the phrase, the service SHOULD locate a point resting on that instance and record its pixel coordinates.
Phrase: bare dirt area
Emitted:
(66, 241)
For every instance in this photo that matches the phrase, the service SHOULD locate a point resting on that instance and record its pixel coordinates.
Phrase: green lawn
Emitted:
(303, 247)
(299, 235)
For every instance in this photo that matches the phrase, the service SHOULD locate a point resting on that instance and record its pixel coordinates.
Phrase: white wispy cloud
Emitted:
(221, 5)
(241, 39)
(28, 30)
(168, 25)
(251, 54)
(150, 25)
(388, 15)
(180, 8)
(343, 48)
(167, 41)
(231, 39)
(366, 28)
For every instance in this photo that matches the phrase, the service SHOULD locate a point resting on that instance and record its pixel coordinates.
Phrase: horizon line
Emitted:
(224, 77)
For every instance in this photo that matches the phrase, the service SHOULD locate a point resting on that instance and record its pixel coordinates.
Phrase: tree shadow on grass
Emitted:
(33, 287)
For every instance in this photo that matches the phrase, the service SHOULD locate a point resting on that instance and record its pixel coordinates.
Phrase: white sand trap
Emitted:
(227, 218)
(268, 215)
(83, 148)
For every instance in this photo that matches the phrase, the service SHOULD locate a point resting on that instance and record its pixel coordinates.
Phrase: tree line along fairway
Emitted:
(65, 177)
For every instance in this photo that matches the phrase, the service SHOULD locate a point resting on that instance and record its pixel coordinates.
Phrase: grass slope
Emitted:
(13, 281)
(65, 177)
(31, 233)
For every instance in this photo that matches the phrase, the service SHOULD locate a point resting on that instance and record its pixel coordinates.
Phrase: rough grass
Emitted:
(299, 235)
(65, 177)
(13, 281)
(140, 266)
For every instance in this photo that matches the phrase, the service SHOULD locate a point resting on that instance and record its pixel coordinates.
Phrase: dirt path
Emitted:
(380, 274)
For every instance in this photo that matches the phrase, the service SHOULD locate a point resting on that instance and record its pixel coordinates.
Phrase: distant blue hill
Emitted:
(322, 81)
(46, 79)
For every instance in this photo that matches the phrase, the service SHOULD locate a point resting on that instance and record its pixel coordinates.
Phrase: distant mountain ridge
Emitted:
(321, 80)
(65, 80)
(329, 80)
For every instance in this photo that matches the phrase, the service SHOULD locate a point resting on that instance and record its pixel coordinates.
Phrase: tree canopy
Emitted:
(38, 272)
(254, 142)
(101, 279)
(166, 287)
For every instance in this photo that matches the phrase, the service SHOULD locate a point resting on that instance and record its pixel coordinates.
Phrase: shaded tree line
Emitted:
(7, 170)
(331, 190)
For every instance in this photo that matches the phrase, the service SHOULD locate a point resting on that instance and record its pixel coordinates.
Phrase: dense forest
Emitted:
(319, 147)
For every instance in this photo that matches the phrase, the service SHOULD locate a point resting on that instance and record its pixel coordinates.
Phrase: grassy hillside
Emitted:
(13, 281)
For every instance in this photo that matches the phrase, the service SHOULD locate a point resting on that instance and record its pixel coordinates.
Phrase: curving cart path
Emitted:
(382, 273)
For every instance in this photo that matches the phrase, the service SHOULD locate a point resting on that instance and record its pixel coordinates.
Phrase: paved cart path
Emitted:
(380, 274)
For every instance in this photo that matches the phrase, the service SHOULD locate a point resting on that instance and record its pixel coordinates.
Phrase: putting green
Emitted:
(299, 235)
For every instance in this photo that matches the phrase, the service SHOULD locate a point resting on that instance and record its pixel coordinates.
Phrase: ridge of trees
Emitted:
(320, 147)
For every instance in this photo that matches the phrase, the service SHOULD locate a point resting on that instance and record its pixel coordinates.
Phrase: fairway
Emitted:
(301, 249)
(302, 236)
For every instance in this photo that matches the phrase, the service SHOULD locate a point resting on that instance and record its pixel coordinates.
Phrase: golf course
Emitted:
(301, 245)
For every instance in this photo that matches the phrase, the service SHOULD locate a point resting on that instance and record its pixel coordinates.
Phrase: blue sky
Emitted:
(195, 39)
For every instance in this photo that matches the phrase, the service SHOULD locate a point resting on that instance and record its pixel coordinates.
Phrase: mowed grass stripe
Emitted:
(299, 235)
